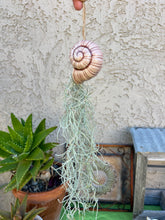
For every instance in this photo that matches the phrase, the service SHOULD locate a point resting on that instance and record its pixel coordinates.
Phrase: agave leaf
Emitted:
(17, 125)
(16, 206)
(47, 164)
(47, 157)
(21, 156)
(36, 154)
(13, 211)
(25, 179)
(8, 167)
(11, 185)
(3, 154)
(15, 146)
(23, 122)
(40, 127)
(4, 146)
(16, 137)
(32, 213)
(22, 169)
(4, 136)
(35, 169)
(41, 136)
(48, 146)
(22, 208)
(28, 126)
(4, 215)
(28, 143)
(7, 161)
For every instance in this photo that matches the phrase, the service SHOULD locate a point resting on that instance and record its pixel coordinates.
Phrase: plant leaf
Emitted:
(47, 164)
(32, 213)
(36, 154)
(48, 146)
(7, 148)
(4, 136)
(6, 161)
(28, 143)
(25, 179)
(22, 169)
(41, 136)
(11, 185)
(28, 126)
(7, 167)
(23, 122)
(17, 125)
(21, 156)
(16, 137)
(13, 211)
(40, 127)
(22, 208)
(15, 146)
(16, 204)
(35, 169)
(3, 154)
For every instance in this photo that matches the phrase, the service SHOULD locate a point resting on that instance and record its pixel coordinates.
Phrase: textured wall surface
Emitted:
(36, 38)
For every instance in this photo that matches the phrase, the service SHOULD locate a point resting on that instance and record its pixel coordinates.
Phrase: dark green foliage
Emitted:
(25, 152)
(18, 211)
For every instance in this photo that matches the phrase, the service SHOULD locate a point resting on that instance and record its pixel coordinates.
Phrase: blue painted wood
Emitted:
(148, 139)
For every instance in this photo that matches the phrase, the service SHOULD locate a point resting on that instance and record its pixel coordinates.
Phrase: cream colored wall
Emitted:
(36, 38)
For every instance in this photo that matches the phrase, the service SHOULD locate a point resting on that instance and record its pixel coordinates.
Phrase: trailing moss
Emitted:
(81, 157)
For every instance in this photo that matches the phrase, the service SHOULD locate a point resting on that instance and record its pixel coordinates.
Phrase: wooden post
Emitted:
(140, 183)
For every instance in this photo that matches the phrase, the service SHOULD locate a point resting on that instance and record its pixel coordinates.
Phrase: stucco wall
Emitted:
(36, 38)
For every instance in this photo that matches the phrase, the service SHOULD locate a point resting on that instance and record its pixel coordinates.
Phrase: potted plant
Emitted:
(18, 212)
(29, 158)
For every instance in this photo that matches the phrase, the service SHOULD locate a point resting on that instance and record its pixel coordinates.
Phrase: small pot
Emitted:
(51, 199)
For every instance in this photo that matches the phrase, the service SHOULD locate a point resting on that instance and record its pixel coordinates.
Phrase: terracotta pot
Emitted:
(47, 199)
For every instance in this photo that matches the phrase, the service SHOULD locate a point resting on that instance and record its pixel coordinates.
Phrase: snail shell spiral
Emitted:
(87, 60)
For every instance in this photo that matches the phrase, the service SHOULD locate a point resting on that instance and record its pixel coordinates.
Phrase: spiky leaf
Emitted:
(17, 125)
(22, 169)
(36, 154)
(48, 146)
(47, 164)
(35, 169)
(16, 137)
(28, 143)
(13, 211)
(22, 208)
(4, 154)
(8, 161)
(8, 167)
(4, 136)
(16, 206)
(25, 180)
(11, 185)
(41, 136)
(21, 156)
(40, 127)
(23, 122)
(15, 146)
(28, 126)
(32, 213)
(4, 146)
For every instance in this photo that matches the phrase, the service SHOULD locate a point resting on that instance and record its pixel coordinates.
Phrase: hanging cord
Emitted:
(84, 19)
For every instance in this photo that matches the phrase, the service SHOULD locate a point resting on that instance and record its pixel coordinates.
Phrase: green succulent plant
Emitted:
(25, 152)
(18, 211)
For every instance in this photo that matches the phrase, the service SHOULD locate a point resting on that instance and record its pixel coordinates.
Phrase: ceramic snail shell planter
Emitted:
(86, 59)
